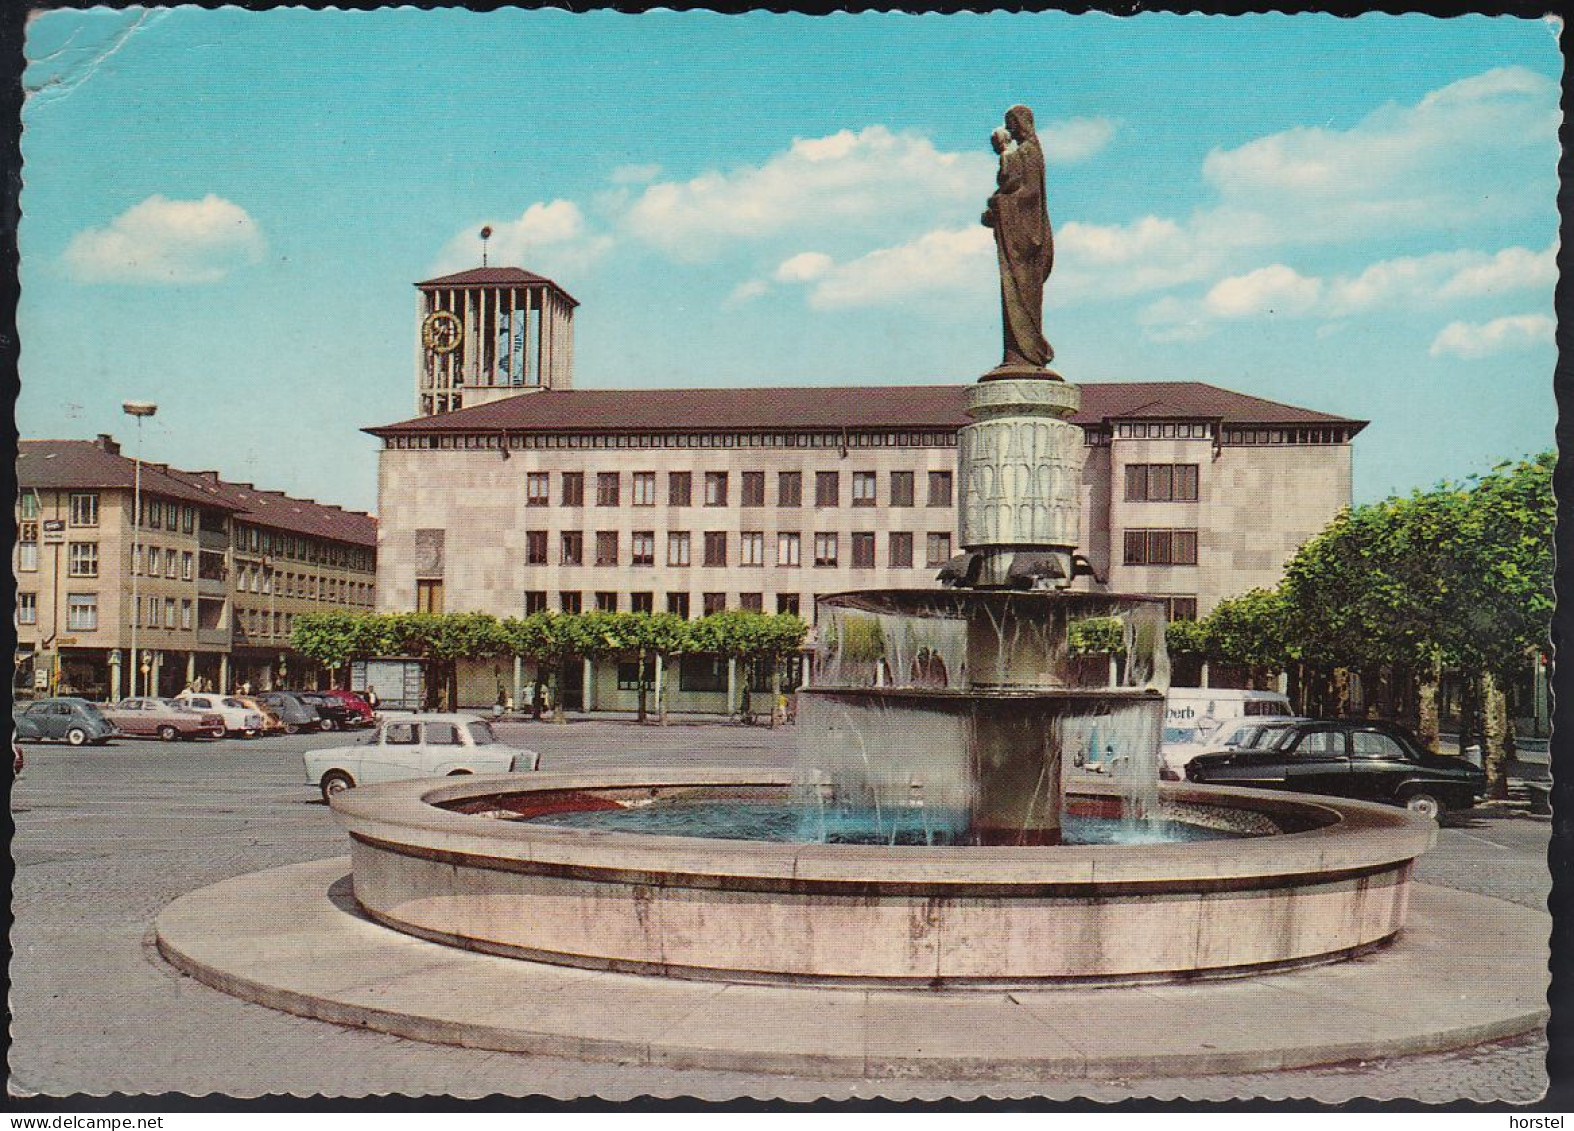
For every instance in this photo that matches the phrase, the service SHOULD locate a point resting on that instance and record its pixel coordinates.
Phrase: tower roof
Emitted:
(495, 277)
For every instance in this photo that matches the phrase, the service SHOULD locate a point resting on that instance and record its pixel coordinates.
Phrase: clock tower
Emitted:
(489, 333)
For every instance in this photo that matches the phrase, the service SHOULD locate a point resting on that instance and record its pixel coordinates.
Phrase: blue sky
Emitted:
(224, 211)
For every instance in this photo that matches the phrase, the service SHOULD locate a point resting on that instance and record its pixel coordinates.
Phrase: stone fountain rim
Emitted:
(862, 600)
(1357, 838)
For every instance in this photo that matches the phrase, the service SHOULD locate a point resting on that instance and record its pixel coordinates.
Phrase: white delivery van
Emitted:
(1194, 715)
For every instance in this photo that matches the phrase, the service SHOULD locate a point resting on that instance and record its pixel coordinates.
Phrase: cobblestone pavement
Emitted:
(107, 836)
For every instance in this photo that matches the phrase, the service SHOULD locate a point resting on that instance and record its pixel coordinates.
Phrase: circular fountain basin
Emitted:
(986, 916)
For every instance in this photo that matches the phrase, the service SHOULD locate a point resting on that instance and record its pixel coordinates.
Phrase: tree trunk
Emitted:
(1494, 730)
(1341, 693)
(776, 694)
(1467, 711)
(661, 690)
(1428, 726)
(644, 691)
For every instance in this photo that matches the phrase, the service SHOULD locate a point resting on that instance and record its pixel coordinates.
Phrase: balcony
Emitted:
(213, 587)
(213, 540)
(218, 637)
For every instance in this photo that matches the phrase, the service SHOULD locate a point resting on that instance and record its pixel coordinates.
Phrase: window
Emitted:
(680, 488)
(441, 734)
(27, 608)
(155, 561)
(537, 490)
(644, 488)
(606, 488)
(573, 488)
(1182, 608)
(751, 602)
(827, 488)
(715, 547)
(185, 614)
(606, 547)
(1375, 744)
(188, 519)
(151, 513)
(607, 601)
(187, 564)
(863, 550)
(27, 546)
(701, 673)
(642, 602)
(634, 677)
(899, 553)
(787, 603)
(84, 559)
(788, 549)
(535, 547)
(535, 601)
(715, 488)
(170, 563)
(678, 605)
(1161, 482)
(1160, 547)
(789, 489)
(939, 488)
(571, 601)
(429, 596)
(825, 549)
(171, 515)
(401, 734)
(677, 547)
(1319, 744)
(169, 612)
(939, 550)
(713, 603)
(644, 547)
(901, 488)
(31, 505)
(863, 488)
(84, 509)
(751, 548)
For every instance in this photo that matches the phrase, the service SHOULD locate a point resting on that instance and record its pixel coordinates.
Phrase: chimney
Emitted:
(106, 443)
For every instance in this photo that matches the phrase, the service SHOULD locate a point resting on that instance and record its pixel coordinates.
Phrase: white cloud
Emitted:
(1075, 139)
(746, 291)
(550, 238)
(635, 174)
(1099, 260)
(1423, 280)
(946, 259)
(1171, 320)
(1472, 340)
(167, 241)
(1275, 289)
(1513, 268)
(804, 266)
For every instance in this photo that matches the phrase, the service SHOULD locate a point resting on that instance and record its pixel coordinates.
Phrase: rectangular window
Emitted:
(678, 605)
(151, 512)
(1182, 608)
(644, 547)
(863, 488)
(31, 506)
(185, 614)
(715, 488)
(171, 515)
(537, 489)
(573, 488)
(715, 547)
(702, 673)
(788, 549)
(188, 519)
(242, 572)
(939, 549)
(751, 548)
(713, 603)
(1185, 483)
(606, 488)
(573, 549)
(27, 547)
(535, 601)
(939, 488)
(632, 678)
(1184, 547)
(901, 488)
(606, 547)
(753, 489)
(429, 596)
(27, 608)
(789, 489)
(155, 561)
(678, 548)
(644, 488)
(825, 550)
(680, 488)
(642, 602)
(535, 547)
(82, 612)
(187, 565)
(571, 601)
(1161, 547)
(827, 488)
(607, 601)
(899, 554)
(170, 563)
(1161, 482)
(751, 602)
(84, 509)
(83, 559)
(863, 550)
(169, 612)
(787, 603)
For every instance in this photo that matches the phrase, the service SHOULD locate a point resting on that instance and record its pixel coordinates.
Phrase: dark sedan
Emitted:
(1364, 761)
(294, 712)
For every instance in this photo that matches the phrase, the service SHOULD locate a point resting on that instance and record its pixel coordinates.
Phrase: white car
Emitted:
(1231, 734)
(238, 718)
(416, 746)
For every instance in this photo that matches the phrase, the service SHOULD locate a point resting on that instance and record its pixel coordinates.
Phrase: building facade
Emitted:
(204, 582)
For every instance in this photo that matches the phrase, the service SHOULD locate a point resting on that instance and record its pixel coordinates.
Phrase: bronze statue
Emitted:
(1024, 243)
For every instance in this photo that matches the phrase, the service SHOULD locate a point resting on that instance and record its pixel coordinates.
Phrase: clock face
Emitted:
(442, 332)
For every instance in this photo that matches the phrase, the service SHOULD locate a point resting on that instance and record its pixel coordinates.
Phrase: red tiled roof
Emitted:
(496, 276)
(833, 408)
(66, 464)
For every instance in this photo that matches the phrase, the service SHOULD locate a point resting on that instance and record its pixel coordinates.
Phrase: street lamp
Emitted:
(140, 410)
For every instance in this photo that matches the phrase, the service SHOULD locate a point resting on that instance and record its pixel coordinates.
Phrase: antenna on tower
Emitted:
(486, 234)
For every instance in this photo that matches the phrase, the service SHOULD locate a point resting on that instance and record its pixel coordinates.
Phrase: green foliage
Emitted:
(1185, 637)
(1247, 630)
(859, 639)
(1096, 635)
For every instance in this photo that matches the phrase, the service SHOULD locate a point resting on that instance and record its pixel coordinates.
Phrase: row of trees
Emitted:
(548, 640)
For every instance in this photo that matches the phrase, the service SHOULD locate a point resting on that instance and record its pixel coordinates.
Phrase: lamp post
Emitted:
(140, 410)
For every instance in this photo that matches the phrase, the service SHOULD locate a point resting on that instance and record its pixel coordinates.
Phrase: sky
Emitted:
(225, 211)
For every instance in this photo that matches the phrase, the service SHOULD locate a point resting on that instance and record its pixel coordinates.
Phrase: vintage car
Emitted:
(416, 746)
(238, 718)
(1361, 760)
(296, 714)
(66, 719)
(146, 717)
(271, 723)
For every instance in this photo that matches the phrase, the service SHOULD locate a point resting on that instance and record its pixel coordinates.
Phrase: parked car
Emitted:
(25, 729)
(1365, 761)
(416, 746)
(296, 714)
(333, 714)
(271, 723)
(238, 718)
(1193, 716)
(147, 717)
(67, 719)
(360, 711)
(1255, 730)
